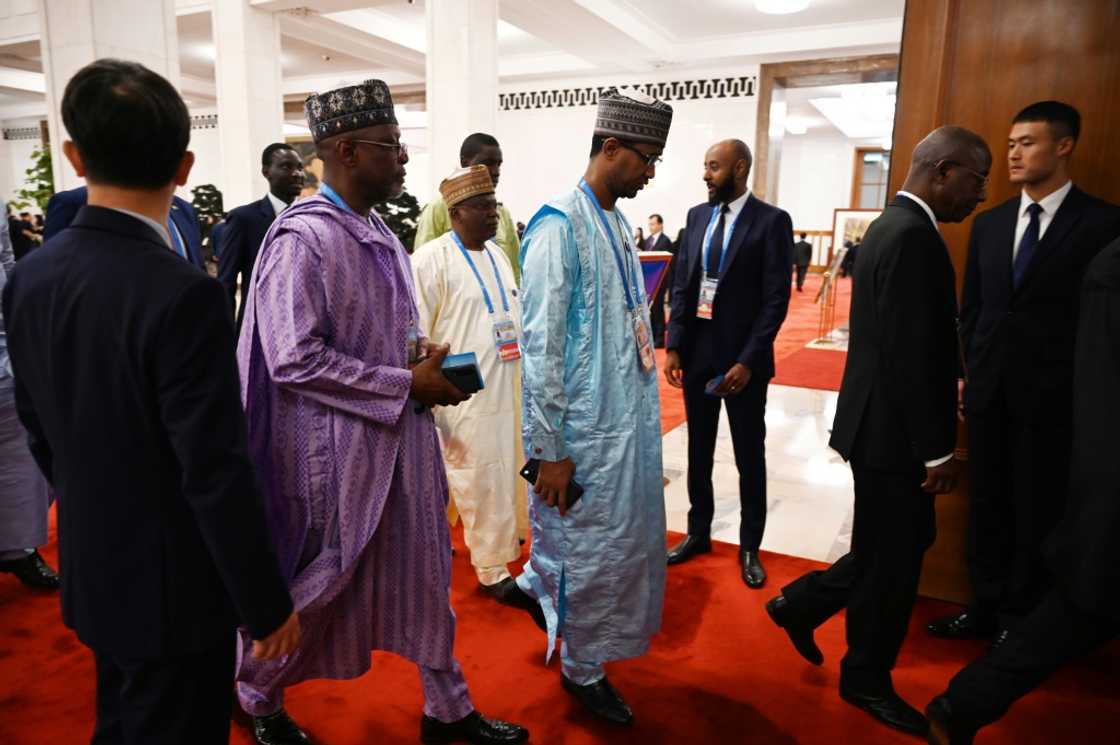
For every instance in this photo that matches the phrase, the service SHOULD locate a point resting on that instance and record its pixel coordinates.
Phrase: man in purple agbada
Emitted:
(336, 389)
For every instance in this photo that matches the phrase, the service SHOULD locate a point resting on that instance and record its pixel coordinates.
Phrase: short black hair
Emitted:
(804, 235)
(660, 221)
(128, 123)
(266, 156)
(1064, 120)
(597, 144)
(474, 144)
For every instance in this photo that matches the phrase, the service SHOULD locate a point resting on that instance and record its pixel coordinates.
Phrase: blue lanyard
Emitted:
(326, 190)
(630, 303)
(176, 240)
(710, 231)
(481, 284)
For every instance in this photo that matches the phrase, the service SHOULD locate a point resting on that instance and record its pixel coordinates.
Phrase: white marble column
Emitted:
(77, 32)
(250, 99)
(462, 86)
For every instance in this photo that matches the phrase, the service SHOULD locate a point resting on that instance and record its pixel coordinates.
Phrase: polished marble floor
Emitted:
(809, 487)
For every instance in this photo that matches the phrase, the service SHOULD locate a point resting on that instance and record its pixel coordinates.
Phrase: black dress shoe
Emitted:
(692, 545)
(32, 571)
(1000, 638)
(278, 729)
(889, 709)
(601, 699)
(473, 728)
(753, 573)
(508, 593)
(965, 625)
(943, 730)
(802, 637)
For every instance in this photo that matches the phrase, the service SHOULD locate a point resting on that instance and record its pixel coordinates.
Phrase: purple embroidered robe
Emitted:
(351, 471)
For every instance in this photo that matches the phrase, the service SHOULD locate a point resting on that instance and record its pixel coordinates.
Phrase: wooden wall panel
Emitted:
(976, 63)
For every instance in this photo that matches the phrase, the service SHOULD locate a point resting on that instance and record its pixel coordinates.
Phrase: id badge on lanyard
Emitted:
(643, 340)
(707, 298)
(505, 339)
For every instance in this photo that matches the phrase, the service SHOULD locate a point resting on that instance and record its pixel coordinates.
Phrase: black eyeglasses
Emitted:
(651, 160)
(400, 147)
(983, 177)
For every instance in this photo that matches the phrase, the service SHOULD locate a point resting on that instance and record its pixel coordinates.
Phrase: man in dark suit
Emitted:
(802, 256)
(246, 225)
(730, 296)
(1026, 259)
(658, 241)
(126, 382)
(1082, 610)
(895, 423)
(182, 223)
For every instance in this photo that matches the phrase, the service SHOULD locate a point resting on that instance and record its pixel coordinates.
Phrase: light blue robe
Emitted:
(599, 572)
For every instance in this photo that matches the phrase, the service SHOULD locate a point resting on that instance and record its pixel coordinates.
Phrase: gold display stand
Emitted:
(826, 298)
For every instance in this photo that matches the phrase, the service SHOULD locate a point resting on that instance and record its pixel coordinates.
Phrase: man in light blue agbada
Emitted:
(590, 412)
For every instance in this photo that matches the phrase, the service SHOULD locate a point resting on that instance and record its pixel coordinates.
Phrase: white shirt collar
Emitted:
(921, 203)
(278, 204)
(161, 229)
(734, 208)
(1049, 203)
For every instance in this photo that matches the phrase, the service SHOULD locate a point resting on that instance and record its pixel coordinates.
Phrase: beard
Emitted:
(723, 193)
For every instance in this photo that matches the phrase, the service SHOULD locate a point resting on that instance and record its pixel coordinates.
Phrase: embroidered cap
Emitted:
(633, 116)
(465, 183)
(349, 108)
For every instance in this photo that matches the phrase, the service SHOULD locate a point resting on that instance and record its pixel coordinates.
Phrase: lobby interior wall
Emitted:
(976, 64)
(815, 178)
(546, 147)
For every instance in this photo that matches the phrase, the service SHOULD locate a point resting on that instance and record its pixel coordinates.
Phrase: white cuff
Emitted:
(939, 461)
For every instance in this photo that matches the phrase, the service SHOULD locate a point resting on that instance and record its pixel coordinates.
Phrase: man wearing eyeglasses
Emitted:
(591, 414)
(1019, 312)
(730, 296)
(338, 386)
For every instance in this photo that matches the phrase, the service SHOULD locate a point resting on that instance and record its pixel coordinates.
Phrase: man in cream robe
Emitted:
(464, 286)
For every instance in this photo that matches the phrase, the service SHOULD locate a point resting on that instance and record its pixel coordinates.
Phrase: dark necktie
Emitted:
(715, 250)
(1027, 244)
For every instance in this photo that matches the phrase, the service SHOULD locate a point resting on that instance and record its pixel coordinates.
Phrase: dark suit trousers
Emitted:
(1055, 633)
(877, 580)
(1019, 471)
(746, 412)
(165, 701)
(657, 310)
(801, 272)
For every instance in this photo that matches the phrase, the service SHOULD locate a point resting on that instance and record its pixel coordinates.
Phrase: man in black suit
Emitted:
(1026, 259)
(895, 423)
(126, 382)
(658, 241)
(730, 296)
(1082, 610)
(802, 255)
(181, 223)
(246, 226)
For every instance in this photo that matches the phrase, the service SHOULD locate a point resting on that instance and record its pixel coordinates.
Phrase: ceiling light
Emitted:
(781, 7)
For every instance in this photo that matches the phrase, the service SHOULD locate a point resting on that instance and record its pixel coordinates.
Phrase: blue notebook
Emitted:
(462, 370)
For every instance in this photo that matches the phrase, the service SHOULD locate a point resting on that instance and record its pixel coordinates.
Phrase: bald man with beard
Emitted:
(895, 424)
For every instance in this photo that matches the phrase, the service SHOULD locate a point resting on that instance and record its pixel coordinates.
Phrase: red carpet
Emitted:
(812, 368)
(719, 672)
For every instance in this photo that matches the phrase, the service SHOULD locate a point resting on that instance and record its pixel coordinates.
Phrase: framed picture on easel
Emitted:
(848, 227)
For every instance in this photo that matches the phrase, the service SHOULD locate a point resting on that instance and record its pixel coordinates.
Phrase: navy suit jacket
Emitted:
(64, 206)
(1023, 339)
(164, 542)
(245, 229)
(753, 295)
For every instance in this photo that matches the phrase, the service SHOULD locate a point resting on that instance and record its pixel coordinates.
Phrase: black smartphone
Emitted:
(532, 469)
(462, 370)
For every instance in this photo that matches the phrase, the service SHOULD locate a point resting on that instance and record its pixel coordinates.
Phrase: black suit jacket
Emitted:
(241, 241)
(659, 243)
(126, 382)
(802, 253)
(1024, 338)
(897, 404)
(753, 295)
(64, 205)
(1082, 549)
